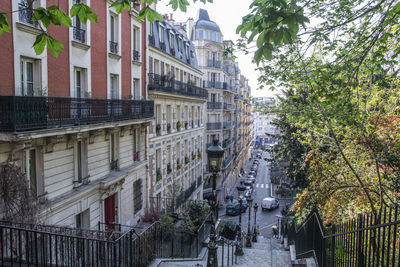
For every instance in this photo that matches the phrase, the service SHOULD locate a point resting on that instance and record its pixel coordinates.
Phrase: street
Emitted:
(261, 189)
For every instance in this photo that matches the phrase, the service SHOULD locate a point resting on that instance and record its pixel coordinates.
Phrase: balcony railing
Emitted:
(79, 34)
(214, 105)
(170, 85)
(228, 124)
(25, 113)
(26, 14)
(113, 47)
(214, 125)
(213, 63)
(229, 106)
(213, 84)
(162, 46)
(135, 55)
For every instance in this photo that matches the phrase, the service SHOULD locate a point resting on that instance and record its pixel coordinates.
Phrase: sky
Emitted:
(228, 15)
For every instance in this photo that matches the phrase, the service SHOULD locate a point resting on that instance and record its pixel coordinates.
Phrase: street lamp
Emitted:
(215, 154)
(239, 250)
(248, 237)
(255, 219)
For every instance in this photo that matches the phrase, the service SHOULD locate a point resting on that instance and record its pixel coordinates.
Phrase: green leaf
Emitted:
(120, 5)
(54, 46)
(4, 26)
(83, 12)
(40, 43)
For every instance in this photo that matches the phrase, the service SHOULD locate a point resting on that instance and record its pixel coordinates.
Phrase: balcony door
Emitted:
(111, 212)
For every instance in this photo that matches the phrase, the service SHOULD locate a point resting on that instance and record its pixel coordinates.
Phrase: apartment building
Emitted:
(176, 142)
(263, 127)
(77, 125)
(221, 78)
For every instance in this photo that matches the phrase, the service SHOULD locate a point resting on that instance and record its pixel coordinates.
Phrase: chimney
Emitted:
(182, 28)
(189, 27)
(165, 17)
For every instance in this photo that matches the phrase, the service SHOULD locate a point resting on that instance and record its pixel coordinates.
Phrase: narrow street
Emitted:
(261, 189)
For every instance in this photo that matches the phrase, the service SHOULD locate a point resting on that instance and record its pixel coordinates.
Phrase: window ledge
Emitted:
(28, 28)
(80, 45)
(115, 56)
(136, 62)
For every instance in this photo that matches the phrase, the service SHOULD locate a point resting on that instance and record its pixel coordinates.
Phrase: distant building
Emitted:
(263, 127)
(176, 143)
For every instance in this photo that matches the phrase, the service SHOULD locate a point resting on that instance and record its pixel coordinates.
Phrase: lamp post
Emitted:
(215, 154)
(239, 250)
(248, 237)
(255, 219)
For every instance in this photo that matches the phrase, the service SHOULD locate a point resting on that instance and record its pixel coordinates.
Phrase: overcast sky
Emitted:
(228, 15)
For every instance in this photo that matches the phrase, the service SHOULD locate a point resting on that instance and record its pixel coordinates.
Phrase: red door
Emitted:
(109, 216)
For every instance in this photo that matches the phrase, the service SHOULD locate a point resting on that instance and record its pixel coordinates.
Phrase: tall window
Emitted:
(136, 42)
(80, 82)
(83, 220)
(30, 77)
(114, 33)
(114, 86)
(32, 169)
(161, 33)
(113, 151)
(81, 169)
(136, 89)
(136, 145)
(79, 29)
(180, 44)
(171, 40)
(137, 196)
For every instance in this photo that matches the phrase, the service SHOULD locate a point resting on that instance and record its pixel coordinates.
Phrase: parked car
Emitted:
(251, 178)
(249, 187)
(269, 203)
(233, 208)
(248, 183)
(247, 193)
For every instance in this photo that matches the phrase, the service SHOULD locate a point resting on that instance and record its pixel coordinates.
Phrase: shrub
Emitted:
(195, 214)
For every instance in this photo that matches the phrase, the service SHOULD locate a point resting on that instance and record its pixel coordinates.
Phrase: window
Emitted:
(79, 29)
(113, 151)
(136, 145)
(151, 30)
(81, 169)
(30, 77)
(180, 44)
(33, 167)
(171, 40)
(136, 89)
(113, 33)
(80, 82)
(25, 14)
(136, 43)
(137, 196)
(161, 33)
(83, 220)
(201, 35)
(187, 50)
(114, 87)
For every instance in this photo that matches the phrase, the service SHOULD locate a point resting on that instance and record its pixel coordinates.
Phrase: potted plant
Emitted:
(169, 170)
(178, 166)
(186, 160)
(186, 124)
(193, 156)
(158, 128)
(199, 154)
(178, 125)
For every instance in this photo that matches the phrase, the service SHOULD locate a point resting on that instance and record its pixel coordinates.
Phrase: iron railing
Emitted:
(213, 63)
(214, 125)
(24, 113)
(170, 85)
(162, 46)
(368, 240)
(113, 47)
(79, 34)
(229, 106)
(135, 55)
(228, 124)
(214, 105)
(26, 14)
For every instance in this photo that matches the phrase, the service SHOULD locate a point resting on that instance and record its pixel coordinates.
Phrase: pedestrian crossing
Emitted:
(262, 186)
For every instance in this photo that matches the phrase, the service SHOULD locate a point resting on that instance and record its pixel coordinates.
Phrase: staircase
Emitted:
(268, 252)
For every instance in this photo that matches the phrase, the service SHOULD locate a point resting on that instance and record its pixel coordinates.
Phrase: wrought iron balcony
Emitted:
(170, 85)
(214, 125)
(26, 113)
(228, 124)
(229, 106)
(213, 84)
(214, 105)
(213, 63)
(26, 14)
(135, 55)
(113, 47)
(79, 34)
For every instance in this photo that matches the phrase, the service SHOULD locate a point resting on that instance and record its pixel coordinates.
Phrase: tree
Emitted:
(54, 15)
(343, 71)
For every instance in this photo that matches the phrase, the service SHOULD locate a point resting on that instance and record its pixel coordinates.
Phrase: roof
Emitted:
(204, 22)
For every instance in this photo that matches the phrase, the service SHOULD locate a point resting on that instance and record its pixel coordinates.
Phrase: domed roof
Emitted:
(204, 22)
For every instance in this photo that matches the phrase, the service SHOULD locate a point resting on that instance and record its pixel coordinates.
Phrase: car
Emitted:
(248, 183)
(233, 208)
(249, 187)
(247, 193)
(253, 172)
(251, 179)
(253, 168)
(269, 203)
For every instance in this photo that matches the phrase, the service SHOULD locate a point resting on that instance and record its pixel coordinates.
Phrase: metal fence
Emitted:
(170, 85)
(369, 240)
(44, 245)
(23, 113)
